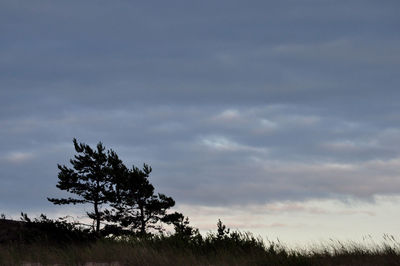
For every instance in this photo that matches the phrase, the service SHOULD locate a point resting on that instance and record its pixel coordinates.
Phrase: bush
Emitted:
(44, 230)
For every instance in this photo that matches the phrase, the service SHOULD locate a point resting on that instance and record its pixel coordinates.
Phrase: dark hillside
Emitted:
(10, 230)
(42, 230)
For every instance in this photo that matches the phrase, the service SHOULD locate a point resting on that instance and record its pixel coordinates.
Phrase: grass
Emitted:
(47, 242)
(239, 249)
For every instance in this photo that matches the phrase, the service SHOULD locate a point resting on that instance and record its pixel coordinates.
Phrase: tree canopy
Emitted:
(89, 180)
(136, 205)
(118, 195)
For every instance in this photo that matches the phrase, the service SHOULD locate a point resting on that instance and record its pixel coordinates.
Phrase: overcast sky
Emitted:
(276, 116)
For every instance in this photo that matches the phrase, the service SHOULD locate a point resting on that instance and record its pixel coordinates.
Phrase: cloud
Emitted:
(220, 143)
(152, 54)
(230, 103)
(219, 156)
(17, 157)
(295, 219)
(228, 115)
(351, 51)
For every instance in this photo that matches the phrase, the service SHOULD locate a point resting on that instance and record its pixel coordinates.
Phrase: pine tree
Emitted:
(137, 207)
(181, 225)
(89, 180)
(100, 178)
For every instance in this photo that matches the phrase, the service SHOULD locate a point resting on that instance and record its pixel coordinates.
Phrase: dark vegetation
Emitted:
(52, 242)
(100, 178)
(128, 228)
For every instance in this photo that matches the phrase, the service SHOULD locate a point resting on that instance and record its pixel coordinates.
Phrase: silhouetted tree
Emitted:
(99, 177)
(118, 173)
(136, 205)
(222, 231)
(89, 179)
(181, 225)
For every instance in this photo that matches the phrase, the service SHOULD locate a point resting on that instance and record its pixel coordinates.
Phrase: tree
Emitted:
(136, 205)
(181, 225)
(89, 179)
(99, 178)
(222, 231)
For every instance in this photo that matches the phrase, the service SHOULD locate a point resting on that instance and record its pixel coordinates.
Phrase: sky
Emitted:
(277, 117)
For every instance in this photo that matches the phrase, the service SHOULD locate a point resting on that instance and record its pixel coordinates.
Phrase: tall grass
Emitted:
(46, 242)
(233, 249)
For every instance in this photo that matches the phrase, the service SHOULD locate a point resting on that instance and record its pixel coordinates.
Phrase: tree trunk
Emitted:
(97, 214)
(96, 207)
(142, 222)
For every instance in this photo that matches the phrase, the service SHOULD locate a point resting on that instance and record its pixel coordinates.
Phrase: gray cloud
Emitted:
(231, 102)
(213, 156)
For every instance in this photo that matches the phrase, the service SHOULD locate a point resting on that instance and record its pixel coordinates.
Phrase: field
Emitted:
(25, 247)
(146, 253)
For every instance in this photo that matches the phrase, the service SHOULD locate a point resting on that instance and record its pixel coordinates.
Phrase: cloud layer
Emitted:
(230, 102)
